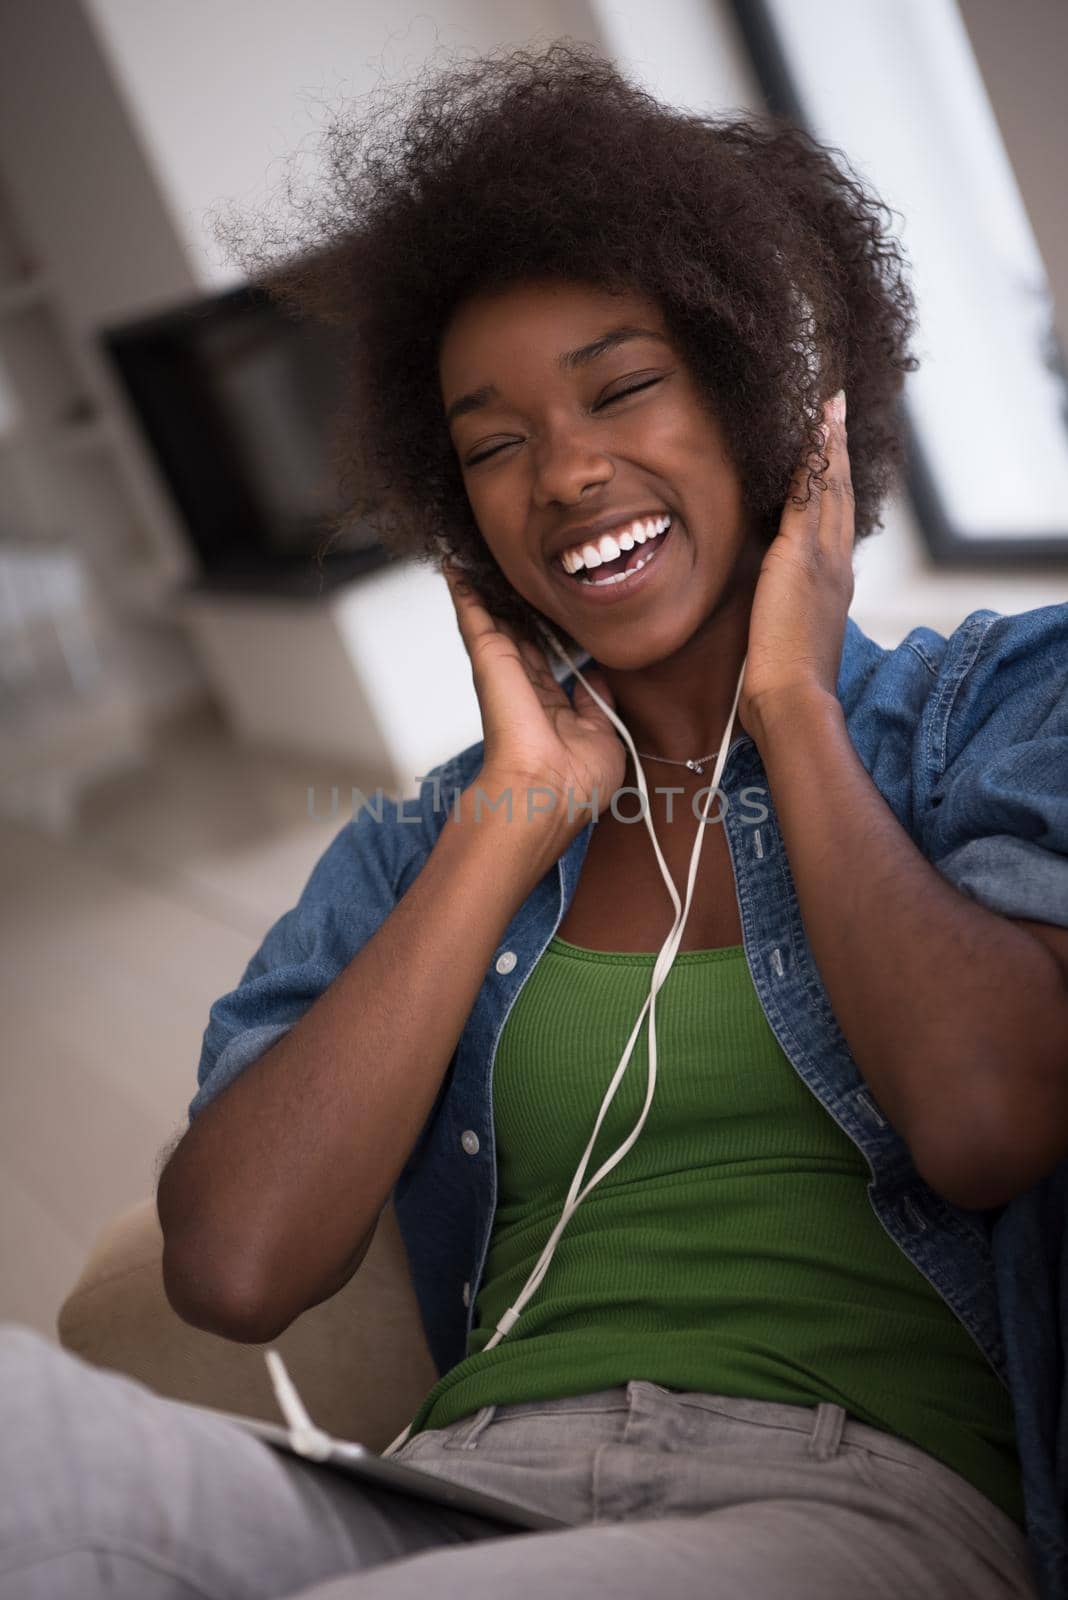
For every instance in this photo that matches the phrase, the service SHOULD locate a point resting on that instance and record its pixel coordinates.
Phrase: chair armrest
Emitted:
(360, 1359)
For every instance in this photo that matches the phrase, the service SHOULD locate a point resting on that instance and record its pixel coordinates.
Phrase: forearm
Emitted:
(941, 1001)
(281, 1177)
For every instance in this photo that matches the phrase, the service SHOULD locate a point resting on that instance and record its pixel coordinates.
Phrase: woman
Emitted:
(774, 1350)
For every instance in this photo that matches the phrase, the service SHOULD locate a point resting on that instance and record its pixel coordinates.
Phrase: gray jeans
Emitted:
(109, 1489)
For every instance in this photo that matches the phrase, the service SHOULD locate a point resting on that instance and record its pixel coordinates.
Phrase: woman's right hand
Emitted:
(533, 735)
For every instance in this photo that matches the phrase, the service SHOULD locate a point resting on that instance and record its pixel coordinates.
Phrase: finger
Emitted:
(840, 477)
(472, 615)
(470, 604)
(502, 681)
(463, 588)
(822, 512)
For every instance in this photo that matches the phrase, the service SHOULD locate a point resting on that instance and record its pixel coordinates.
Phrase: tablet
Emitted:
(387, 1473)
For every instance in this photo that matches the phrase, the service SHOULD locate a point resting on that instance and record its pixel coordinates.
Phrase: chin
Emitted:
(634, 648)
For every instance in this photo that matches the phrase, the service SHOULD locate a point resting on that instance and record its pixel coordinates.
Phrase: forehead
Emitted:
(535, 322)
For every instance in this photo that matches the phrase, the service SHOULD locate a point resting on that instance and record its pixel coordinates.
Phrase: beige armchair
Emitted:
(360, 1360)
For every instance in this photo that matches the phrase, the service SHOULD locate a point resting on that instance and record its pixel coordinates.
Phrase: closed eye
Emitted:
(632, 390)
(620, 395)
(474, 461)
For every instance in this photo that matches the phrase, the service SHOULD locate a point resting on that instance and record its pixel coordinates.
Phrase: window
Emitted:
(894, 85)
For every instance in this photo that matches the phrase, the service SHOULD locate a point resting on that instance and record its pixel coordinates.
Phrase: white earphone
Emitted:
(662, 967)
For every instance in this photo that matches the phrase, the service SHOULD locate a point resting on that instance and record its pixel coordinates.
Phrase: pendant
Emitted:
(695, 766)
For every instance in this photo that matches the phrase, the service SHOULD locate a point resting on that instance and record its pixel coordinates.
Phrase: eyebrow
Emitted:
(567, 362)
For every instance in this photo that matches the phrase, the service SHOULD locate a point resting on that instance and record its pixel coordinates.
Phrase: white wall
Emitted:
(76, 173)
(225, 90)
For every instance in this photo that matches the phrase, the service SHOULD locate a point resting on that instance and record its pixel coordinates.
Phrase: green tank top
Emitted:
(733, 1250)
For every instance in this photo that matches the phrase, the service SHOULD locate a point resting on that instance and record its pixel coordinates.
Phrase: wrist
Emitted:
(541, 799)
(789, 712)
(516, 817)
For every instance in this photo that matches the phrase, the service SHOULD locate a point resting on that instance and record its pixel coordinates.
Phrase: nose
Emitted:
(567, 461)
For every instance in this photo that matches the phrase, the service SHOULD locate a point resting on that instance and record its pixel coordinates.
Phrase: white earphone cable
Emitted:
(660, 971)
(661, 968)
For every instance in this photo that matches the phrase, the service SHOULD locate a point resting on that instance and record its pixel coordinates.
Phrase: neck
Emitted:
(678, 708)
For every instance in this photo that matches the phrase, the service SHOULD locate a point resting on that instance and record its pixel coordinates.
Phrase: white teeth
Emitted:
(609, 547)
(616, 577)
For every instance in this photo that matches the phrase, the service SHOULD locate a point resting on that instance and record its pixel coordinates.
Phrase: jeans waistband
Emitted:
(827, 1425)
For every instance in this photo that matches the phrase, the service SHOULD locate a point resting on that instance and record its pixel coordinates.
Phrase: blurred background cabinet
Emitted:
(80, 678)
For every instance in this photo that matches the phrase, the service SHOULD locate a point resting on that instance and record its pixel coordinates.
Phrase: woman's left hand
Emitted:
(805, 588)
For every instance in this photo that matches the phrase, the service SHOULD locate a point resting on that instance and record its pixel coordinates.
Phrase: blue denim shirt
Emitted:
(966, 738)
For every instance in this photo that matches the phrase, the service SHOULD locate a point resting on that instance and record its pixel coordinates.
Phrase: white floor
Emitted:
(114, 942)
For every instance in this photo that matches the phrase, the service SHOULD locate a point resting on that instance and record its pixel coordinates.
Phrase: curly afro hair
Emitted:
(771, 265)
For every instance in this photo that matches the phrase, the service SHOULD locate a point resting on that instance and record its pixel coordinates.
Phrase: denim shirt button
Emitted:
(506, 962)
(469, 1140)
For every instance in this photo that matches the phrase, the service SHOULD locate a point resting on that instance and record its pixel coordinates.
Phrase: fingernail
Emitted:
(839, 405)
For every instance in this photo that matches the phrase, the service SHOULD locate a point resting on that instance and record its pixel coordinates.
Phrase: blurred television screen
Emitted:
(238, 403)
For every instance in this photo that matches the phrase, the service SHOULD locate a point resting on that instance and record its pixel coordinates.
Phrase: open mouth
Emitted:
(620, 570)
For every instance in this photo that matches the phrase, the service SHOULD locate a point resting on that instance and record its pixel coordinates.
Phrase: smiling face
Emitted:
(573, 414)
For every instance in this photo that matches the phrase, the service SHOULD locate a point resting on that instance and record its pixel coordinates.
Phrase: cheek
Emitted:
(677, 445)
(501, 530)
(490, 513)
(699, 470)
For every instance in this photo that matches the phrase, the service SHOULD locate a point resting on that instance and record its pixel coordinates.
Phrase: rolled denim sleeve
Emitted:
(352, 888)
(996, 824)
